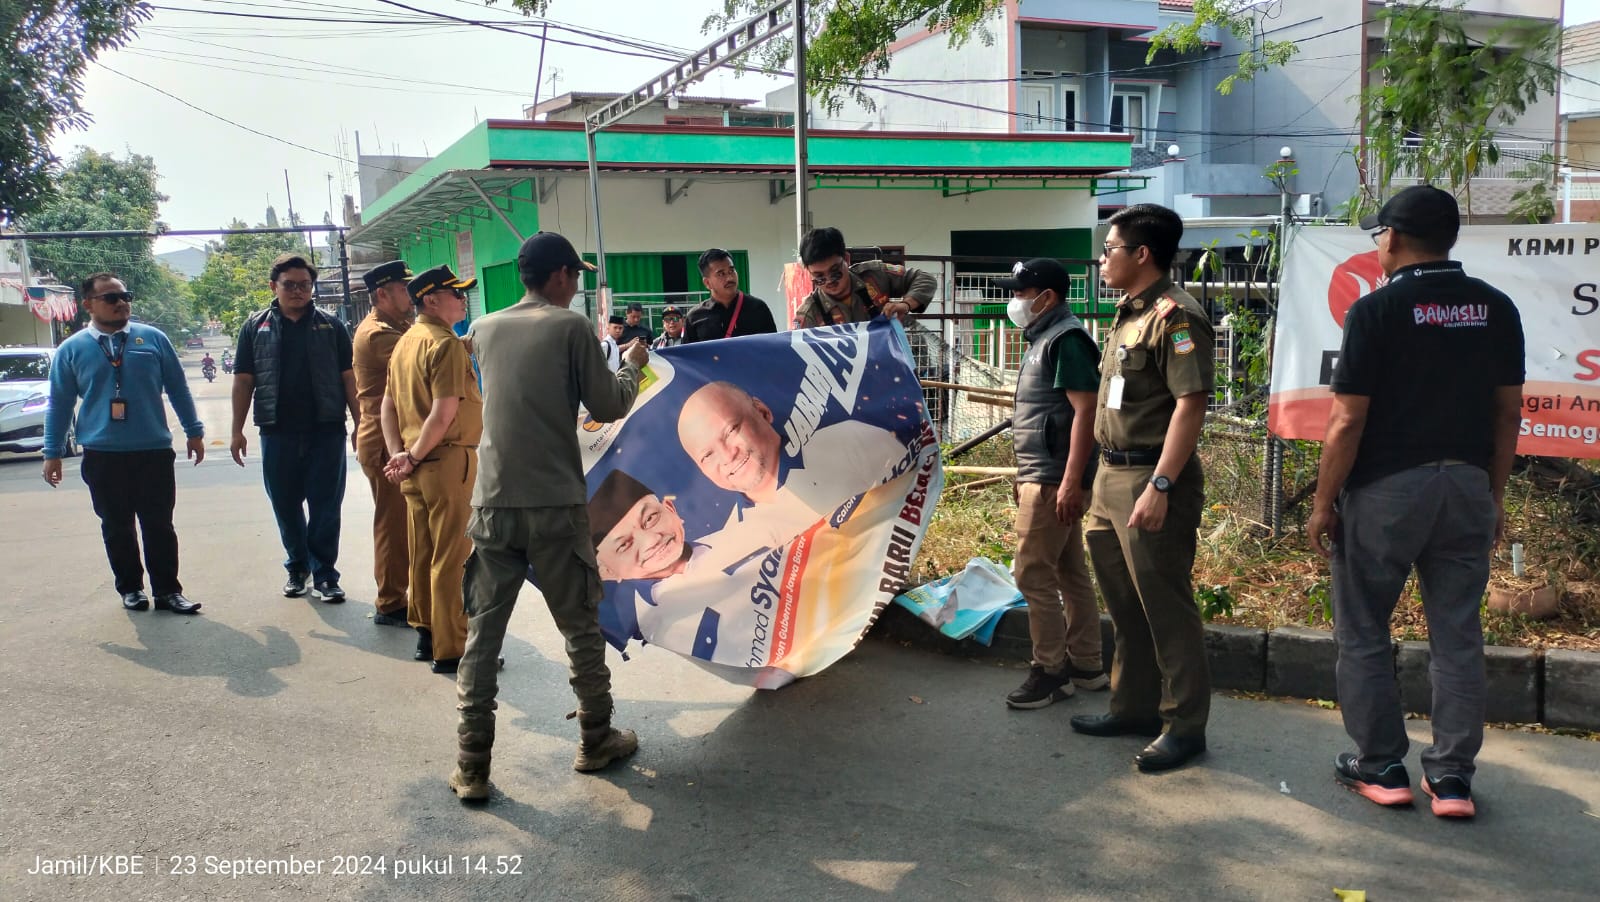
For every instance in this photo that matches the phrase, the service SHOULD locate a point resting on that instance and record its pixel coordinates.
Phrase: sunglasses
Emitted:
(831, 276)
(456, 293)
(115, 297)
(296, 285)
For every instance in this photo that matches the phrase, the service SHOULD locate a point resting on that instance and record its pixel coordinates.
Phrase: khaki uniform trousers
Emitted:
(1160, 663)
(391, 556)
(553, 547)
(438, 504)
(1053, 574)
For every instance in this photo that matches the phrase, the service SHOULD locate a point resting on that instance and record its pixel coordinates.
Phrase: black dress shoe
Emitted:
(448, 665)
(1169, 752)
(1112, 725)
(330, 592)
(177, 604)
(296, 586)
(390, 618)
(424, 645)
(135, 601)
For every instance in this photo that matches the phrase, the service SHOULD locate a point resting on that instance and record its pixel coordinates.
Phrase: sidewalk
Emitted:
(284, 730)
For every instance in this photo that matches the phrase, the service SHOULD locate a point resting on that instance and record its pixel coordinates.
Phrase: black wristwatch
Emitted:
(1161, 484)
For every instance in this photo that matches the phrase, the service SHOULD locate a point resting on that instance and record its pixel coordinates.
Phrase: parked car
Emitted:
(194, 341)
(24, 400)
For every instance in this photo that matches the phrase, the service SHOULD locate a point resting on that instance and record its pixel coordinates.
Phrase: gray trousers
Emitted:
(1439, 517)
(506, 542)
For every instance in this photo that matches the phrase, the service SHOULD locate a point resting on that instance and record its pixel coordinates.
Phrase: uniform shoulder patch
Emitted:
(1182, 343)
(893, 269)
(1165, 306)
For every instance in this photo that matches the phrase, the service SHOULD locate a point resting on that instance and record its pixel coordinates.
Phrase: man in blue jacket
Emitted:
(120, 369)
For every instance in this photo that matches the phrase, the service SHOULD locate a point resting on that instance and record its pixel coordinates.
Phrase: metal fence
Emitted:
(1250, 476)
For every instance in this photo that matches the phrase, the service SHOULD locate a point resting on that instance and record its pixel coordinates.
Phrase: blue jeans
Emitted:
(304, 474)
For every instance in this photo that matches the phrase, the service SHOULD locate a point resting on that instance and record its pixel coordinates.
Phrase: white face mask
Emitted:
(1020, 311)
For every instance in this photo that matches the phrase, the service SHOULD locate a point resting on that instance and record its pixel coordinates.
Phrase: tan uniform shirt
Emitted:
(373, 345)
(1160, 348)
(431, 362)
(872, 282)
(539, 362)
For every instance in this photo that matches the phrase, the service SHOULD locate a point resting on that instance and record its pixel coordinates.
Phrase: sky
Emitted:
(400, 88)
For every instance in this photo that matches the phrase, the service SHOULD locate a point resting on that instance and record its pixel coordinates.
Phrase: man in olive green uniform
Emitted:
(432, 421)
(374, 343)
(848, 292)
(1156, 377)
(530, 515)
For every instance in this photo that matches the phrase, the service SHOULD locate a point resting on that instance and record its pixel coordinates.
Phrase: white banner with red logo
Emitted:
(1550, 272)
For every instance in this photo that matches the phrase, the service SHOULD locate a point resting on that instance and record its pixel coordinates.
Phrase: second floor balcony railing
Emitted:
(1515, 160)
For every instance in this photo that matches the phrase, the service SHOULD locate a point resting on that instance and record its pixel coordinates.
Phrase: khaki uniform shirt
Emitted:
(1160, 348)
(431, 362)
(872, 282)
(373, 346)
(539, 363)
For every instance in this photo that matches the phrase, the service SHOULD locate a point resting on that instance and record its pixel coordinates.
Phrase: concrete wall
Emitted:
(377, 174)
(737, 216)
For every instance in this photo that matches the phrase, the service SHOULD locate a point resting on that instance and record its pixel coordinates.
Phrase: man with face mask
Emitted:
(1053, 431)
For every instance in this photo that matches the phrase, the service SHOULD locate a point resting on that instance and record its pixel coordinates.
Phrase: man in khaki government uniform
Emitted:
(856, 291)
(432, 421)
(539, 361)
(1156, 377)
(374, 342)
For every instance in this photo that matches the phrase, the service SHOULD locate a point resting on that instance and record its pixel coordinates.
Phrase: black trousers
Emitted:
(125, 485)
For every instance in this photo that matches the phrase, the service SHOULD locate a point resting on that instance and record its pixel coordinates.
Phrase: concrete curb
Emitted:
(1559, 688)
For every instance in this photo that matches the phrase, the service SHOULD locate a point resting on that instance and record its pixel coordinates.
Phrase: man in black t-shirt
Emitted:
(633, 328)
(729, 312)
(1427, 398)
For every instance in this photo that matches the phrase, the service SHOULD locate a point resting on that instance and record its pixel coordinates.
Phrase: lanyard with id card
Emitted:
(1117, 384)
(119, 404)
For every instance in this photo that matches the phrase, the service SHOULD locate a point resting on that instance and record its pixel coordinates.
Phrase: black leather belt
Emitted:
(1146, 458)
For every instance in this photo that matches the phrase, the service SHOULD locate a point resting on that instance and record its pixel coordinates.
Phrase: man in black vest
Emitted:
(295, 363)
(1053, 432)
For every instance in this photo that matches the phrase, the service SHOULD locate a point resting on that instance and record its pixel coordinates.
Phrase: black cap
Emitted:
(617, 495)
(435, 279)
(1421, 210)
(670, 310)
(1040, 273)
(385, 273)
(548, 250)
(617, 320)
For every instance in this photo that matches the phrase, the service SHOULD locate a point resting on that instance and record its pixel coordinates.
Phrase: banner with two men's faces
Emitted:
(764, 499)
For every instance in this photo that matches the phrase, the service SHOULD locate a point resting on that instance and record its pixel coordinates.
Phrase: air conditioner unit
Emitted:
(1308, 205)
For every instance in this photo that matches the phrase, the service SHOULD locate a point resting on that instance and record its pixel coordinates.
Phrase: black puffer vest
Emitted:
(327, 386)
(1041, 427)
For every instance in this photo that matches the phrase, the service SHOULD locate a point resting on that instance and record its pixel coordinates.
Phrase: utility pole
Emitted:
(802, 207)
(538, 78)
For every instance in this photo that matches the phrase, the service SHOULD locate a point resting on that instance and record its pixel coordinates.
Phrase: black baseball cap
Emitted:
(670, 310)
(1421, 210)
(1041, 273)
(547, 251)
(435, 279)
(386, 273)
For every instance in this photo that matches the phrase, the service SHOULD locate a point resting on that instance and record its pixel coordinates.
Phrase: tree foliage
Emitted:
(847, 41)
(99, 192)
(1233, 16)
(234, 283)
(1438, 96)
(48, 46)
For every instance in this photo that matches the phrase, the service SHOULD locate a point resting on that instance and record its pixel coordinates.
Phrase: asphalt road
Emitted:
(273, 733)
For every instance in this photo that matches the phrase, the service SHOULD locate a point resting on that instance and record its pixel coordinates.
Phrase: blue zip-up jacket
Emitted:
(150, 367)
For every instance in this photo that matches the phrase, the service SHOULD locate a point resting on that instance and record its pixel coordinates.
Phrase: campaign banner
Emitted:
(764, 498)
(1549, 271)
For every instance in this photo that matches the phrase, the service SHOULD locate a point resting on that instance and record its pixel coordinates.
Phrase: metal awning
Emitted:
(452, 200)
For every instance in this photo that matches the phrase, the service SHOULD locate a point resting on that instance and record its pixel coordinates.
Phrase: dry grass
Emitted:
(1280, 582)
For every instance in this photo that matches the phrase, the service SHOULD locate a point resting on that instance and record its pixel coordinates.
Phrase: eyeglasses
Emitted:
(456, 293)
(115, 297)
(296, 285)
(672, 319)
(829, 277)
(1378, 234)
(1108, 248)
